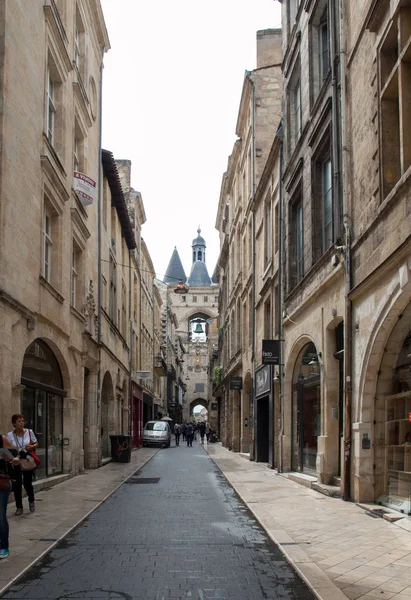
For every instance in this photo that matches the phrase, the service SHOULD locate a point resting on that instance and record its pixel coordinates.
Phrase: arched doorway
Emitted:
(107, 406)
(393, 422)
(306, 410)
(42, 405)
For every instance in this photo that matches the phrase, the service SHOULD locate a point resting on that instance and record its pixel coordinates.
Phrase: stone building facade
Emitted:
(314, 274)
(242, 228)
(196, 310)
(48, 281)
(377, 184)
(72, 264)
(337, 295)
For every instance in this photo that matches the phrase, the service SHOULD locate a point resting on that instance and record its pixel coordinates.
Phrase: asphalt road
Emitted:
(175, 530)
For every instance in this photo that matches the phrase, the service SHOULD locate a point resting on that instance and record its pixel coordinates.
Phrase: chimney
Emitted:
(269, 47)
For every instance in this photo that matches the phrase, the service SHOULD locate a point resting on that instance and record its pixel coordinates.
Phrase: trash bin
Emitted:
(121, 448)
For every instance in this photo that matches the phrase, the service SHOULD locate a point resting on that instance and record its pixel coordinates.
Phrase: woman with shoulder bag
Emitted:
(5, 489)
(23, 442)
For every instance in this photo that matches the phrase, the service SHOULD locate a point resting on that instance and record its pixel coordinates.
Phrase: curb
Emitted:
(72, 528)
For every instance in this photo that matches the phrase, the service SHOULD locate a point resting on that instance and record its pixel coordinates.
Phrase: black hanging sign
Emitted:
(271, 352)
(236, 383)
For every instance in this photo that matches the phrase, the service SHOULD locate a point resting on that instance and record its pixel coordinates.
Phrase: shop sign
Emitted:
(142, 374)
(236, 383)
(271, 352)
(263, 381)
(84, 187)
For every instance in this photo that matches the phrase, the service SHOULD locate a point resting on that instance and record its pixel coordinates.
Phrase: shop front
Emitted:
(264, 416)
(396, 423)
(306, 411)
(42, 405)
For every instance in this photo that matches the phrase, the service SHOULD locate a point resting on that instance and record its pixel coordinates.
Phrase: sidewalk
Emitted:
(338, 548)
(59, 510)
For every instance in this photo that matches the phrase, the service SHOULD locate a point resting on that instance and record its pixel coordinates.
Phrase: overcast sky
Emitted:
(171, 91)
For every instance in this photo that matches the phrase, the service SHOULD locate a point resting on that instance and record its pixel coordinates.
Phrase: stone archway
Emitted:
(199, 402)
(42, 404)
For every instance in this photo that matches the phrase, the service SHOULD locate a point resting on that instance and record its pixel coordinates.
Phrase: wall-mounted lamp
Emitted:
(258, 152)
(316, 359)
(31, 324)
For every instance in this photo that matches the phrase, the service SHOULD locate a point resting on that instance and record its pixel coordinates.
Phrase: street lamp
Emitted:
(181, 288)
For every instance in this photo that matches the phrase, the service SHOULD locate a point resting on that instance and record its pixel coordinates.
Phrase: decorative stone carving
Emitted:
(89, 311)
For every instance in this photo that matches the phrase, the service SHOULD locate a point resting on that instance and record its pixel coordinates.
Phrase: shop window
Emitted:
(42, 405)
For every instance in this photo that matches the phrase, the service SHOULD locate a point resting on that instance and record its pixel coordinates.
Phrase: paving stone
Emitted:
(187, 536)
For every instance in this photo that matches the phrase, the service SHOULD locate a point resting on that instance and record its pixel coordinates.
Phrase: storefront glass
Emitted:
(398, 436)
(43, 409)
(306, 407)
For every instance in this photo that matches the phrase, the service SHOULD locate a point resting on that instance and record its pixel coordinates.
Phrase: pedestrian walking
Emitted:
(189, 429)
(195, 429)
(177, 433)
(201, 429)
(5, 489)
(23, 442)
(207, 431)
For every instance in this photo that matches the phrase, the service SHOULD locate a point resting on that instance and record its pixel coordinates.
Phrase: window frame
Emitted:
(47, 245)
(50, 108)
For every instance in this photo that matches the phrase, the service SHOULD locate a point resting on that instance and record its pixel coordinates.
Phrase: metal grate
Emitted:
(143, 480)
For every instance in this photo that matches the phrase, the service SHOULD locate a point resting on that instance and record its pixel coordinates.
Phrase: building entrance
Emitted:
(42, 405)
(306, 409)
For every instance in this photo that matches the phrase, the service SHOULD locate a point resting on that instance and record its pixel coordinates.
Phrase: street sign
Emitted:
(236, 383)
(271, 352)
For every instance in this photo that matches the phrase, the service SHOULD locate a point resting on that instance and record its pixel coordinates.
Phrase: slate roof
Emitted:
(199, 276)
(175, 270)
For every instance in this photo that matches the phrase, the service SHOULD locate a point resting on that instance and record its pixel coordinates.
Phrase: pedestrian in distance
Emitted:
(6, 459)
(207, 431)
(195, 429)
(177, 433)
(189, 429)
(23, 441)
(202, 429)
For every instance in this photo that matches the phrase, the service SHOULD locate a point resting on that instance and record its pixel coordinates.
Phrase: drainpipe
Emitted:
(335, 111)
(153, 361)
(130, 366)
(280, 136)
(346, 492)
(252, 401)
(99, 290)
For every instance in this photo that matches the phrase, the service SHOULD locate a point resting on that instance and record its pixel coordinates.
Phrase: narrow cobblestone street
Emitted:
(176, 529)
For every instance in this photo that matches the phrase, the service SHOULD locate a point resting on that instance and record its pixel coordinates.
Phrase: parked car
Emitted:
(157, 433)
